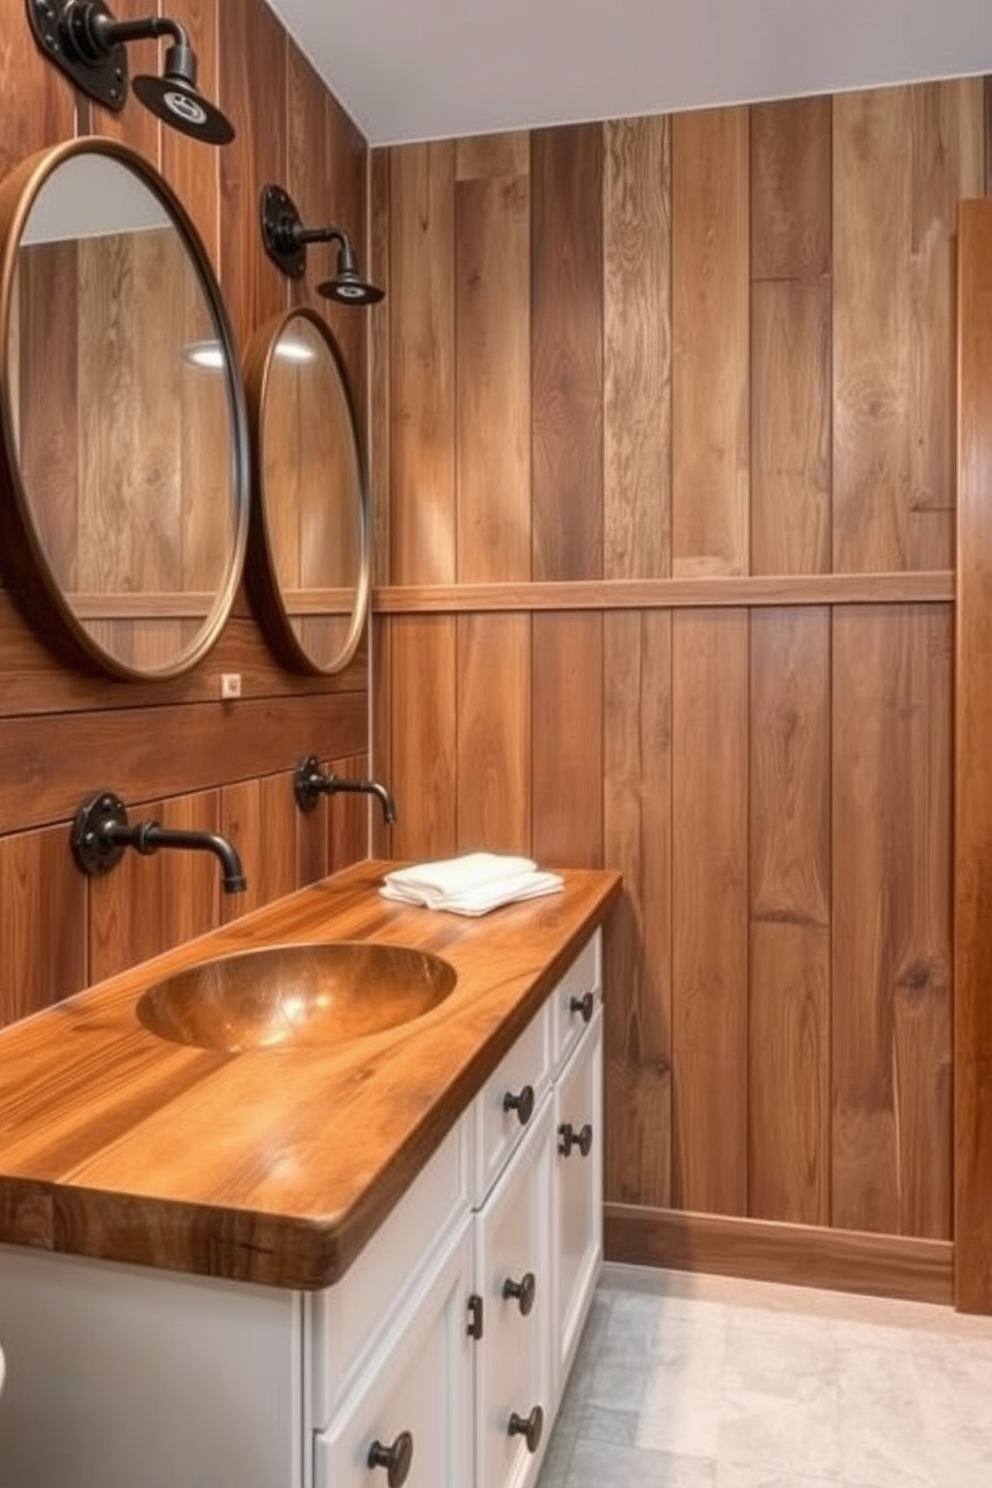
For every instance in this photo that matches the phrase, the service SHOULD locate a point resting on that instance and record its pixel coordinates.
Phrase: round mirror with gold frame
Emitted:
(308, 557)
(125, 513)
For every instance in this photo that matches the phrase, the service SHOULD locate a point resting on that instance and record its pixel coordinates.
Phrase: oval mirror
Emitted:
(308, 563)
(124, 424)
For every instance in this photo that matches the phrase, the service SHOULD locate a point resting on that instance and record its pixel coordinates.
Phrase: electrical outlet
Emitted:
(230, 685)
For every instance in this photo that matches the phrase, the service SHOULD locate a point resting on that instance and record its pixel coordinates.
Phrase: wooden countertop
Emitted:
(272, 1167)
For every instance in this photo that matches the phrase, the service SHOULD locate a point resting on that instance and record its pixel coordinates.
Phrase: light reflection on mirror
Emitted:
(310, 558)
(130, 459)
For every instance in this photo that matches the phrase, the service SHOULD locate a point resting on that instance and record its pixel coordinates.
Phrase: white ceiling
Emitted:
(436, 69)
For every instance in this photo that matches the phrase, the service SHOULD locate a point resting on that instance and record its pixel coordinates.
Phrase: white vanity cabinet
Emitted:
(438, 1360)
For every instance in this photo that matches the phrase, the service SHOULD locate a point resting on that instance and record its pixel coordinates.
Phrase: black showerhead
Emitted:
(286, 240)
(174, 98)
(348, 287)
(83, 39)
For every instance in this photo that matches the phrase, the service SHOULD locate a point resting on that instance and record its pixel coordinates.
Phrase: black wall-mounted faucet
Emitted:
(309, 783)
(102, 832)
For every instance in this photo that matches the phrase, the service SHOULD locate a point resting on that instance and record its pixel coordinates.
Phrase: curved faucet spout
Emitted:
(102, 832)
(309, 783)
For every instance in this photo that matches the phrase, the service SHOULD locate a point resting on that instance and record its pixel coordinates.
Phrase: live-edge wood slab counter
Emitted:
(273, 1167)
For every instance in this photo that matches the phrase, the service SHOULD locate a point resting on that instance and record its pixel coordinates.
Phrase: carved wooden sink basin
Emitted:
(310, 996)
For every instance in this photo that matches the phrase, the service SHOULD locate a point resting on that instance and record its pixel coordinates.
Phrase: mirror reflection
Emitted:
(123, 416)
(310, 545)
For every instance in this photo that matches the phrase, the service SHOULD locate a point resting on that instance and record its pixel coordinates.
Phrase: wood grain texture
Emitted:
(567, 745)
(44, 766)
(493, 742)
(891, 940)
(567, 352)
(422, 364)
(191, 169)
(43, 923)
(677, 594)
(380, 464)
(259, 817)
(710, 343)
(710, 910)
(797, 1255)
(38, 101)
(134, 125)
(252, 67)
(423, 747)
(638, 816)
(150, 1149)
(973, 770)
(789, 887)
(492, 315)
(791, 190)
(637, 349)
(902, 159)
(790, 428)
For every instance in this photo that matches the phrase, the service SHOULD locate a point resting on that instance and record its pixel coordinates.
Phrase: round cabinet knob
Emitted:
(524, 1290)
(568, 1138)
(529, 1427)
(583, 1006)
(395, 1459)
(523, 1103)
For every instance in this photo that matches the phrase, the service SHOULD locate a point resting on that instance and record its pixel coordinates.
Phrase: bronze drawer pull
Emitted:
(583, 1005)
(529, 1427)
(524, 1290)
(568, 1138)
(523, 1104)
(395, 1459)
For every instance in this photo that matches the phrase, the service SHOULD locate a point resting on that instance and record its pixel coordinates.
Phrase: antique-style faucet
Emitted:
(309, 783)
(102, 832)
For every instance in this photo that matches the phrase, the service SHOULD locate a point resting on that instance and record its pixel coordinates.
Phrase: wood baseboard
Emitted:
(798, 1255)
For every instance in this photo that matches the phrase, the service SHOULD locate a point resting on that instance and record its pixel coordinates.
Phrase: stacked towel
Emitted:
(470, 885)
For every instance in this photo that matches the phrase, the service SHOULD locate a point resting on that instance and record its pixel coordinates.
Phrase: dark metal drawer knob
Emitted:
(395, 1459)
(523, 1103)
(529, 1427)
(583, 1005)
(524, 1290)
(568, 1138)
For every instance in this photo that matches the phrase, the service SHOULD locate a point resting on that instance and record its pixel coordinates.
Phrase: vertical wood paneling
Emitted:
(789, 1007)
(567, 352)
(422, 364)
(259, 817)
(973, 774)
(348, 827)
(135, 125)
(381, 381)
(710, 909)
(494, 733)
(637, 358)
(191, 168)
(902, 159)
(42, 923)
(252, 68)
(790, 337)
(381, 763)
(567, 744)
(38, 102)
(492, 312)
(891, 928)
(423, 714)
(637, 839)
(710, 337)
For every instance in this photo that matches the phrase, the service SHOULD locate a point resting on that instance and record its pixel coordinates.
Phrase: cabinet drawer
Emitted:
(583, 983)
(348, 1320)
(417, 1395)
(499, 1124)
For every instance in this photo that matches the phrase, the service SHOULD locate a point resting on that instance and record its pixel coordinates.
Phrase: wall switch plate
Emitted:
(230, 684)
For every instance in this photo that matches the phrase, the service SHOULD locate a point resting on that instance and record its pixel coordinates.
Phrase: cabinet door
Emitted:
(578, 1190)
(513, 1264)
(415, 1401)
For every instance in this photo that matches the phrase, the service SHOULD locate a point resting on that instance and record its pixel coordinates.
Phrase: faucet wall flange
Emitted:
(308, 783)
(94, 848)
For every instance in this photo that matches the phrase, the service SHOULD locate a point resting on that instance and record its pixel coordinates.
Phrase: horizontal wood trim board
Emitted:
(663, 594)
(149, 755)
(799, 1255)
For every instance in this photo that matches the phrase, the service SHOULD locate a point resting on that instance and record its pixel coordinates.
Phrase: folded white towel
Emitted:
(472, 884)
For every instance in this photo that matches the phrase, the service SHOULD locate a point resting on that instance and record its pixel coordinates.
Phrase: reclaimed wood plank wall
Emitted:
(664, 471)
(173, 749)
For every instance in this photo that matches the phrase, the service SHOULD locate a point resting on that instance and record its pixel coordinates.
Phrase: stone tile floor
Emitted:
(707, 1382)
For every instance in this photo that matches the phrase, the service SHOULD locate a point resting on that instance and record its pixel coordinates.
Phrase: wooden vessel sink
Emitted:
(309, 995)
